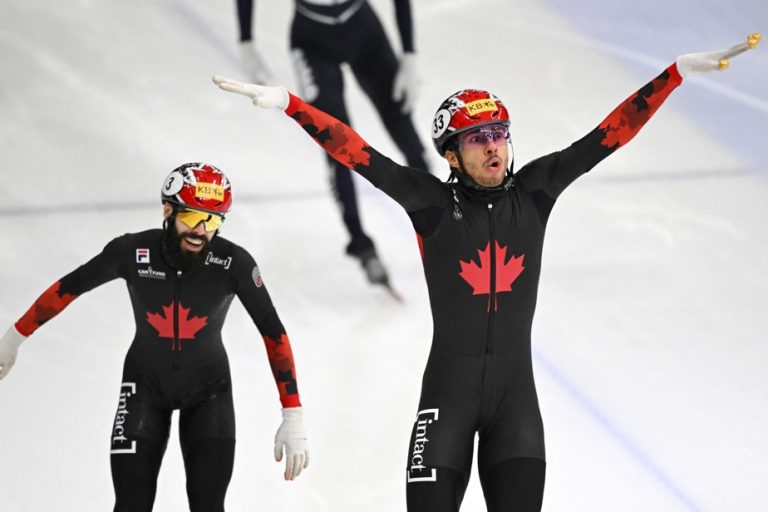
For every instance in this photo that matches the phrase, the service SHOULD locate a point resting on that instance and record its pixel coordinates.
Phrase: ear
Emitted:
(452, 158)
(167, 210)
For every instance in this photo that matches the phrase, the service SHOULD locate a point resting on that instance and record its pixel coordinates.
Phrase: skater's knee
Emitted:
(442, 489)
(515, 484)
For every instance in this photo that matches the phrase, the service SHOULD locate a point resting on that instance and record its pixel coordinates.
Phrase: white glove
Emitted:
(406, 82)
(711, 61)
(9, 346)
(293, 437)
(262, 95)
(253, 64)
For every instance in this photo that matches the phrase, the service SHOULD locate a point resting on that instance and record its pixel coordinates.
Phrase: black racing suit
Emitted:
(323, 37)
(176, 360)
(481, 250)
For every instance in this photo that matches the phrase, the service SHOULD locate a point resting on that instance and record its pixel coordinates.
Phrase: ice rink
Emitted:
(651, 333)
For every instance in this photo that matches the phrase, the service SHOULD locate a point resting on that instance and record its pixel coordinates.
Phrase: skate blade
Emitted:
(394, 293)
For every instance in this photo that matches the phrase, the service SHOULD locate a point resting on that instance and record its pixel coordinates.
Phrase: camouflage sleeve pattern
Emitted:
(102, 268)
(552, 173)
(254, 296)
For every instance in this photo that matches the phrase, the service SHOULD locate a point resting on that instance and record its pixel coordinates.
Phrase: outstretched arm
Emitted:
(99, 270)
(554, 172)
(411, 188)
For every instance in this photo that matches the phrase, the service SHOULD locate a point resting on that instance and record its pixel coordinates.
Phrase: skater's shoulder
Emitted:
(224, 246)
(138, 238)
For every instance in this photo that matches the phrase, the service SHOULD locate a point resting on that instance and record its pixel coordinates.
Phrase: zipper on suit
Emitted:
(492, 287)
(176, 341)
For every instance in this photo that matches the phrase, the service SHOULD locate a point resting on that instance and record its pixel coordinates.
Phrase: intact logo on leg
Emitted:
(120, 443)
(417, 471)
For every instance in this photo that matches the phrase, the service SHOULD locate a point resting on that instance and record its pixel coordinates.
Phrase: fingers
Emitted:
(289, 463)
(736, 50)
(294, 464)
(229, 85)
(5, 368)
(279, 450)
(752, 41)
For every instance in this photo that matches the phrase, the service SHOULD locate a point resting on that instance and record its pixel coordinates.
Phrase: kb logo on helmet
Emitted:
(209, 191)
(478, 106)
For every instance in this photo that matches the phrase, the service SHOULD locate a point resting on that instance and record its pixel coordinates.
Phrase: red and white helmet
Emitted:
(464, 111)
(198, 186)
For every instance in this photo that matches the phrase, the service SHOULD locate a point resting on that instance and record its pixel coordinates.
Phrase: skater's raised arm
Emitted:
(411, 188)
(99, 270)
(554, 172)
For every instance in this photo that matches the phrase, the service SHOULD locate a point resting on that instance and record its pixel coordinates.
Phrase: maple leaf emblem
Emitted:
(188, 327)
(479, 276)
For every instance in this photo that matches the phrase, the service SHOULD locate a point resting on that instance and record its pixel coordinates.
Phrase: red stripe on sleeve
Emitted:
(47, 306)
(283, 368)
(340, 141)
(627, 119)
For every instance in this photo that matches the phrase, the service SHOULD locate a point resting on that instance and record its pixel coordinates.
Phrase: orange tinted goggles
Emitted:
(191, 218)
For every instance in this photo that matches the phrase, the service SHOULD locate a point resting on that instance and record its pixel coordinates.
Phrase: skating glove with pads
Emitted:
(9, 346)
(407, 83)
(292, 436)
(711, 61)
(261, 95)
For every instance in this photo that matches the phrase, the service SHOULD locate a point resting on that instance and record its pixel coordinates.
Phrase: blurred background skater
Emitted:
(181, 280)
(324, 35)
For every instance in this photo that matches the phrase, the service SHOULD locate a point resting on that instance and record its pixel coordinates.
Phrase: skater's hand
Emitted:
(253, 64)
(406, 83)
(9, 346)
(293, 437)
(262, 95)
(711, 61)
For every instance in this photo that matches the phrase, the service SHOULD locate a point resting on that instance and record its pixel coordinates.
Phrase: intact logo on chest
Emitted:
(479, 274)
(212, 259)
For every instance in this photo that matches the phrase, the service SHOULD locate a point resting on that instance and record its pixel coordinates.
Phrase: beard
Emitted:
(183, 258)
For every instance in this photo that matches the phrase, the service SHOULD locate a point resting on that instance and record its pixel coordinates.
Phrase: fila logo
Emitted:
(142, 255)
(417, 471)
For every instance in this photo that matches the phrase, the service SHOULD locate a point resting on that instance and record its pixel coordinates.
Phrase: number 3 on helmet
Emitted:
(465, 110)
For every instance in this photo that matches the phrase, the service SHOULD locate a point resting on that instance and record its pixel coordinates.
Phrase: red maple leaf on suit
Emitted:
(479, 276)
(188, 327)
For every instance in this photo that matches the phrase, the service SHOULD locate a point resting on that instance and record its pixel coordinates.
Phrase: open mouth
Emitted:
(195, 243)
(494, 164)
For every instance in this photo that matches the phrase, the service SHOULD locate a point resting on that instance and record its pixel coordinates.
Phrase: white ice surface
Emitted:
(651, 335)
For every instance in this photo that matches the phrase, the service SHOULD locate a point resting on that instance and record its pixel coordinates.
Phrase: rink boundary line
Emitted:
(363, 191)
(624, 440)
(142, 205)
(603, 177)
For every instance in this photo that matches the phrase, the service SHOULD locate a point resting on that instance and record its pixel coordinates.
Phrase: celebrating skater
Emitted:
(481, 236)
(181, 280)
